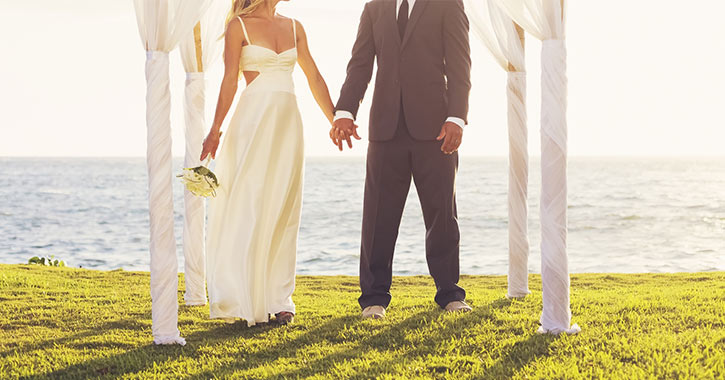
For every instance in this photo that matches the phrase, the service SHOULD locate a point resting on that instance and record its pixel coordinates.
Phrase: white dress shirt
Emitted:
(341, 114)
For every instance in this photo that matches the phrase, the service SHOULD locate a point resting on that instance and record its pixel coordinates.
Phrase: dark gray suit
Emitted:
(422, 78)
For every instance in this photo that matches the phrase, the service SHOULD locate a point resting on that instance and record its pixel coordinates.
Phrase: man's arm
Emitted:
(457, 55)
(359, 72)
(457, 50)
(359, 69)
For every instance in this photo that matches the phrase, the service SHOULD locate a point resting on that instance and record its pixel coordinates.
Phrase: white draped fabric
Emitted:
(545, 20)
(161, 25)
(498, 32)
(518, 205)
(194, 207)
(199, 49)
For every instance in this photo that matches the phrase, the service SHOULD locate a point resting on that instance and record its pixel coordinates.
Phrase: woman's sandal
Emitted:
(230, 321)
(285, 317)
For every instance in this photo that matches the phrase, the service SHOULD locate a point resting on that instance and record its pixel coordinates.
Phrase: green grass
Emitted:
(77, 323)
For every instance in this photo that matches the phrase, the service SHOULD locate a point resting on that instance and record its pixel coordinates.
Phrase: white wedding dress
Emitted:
(254, 219)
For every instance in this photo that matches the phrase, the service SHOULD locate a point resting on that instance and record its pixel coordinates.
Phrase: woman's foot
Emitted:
(285, 317)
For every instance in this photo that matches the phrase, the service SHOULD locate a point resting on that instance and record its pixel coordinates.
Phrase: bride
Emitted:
(254, 219)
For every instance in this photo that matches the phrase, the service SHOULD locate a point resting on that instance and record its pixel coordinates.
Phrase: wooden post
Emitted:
(197, 43)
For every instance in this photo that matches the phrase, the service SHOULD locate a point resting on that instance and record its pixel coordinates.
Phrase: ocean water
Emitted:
(625, 215)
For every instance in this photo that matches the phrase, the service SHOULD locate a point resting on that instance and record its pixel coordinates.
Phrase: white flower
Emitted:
(200, 181)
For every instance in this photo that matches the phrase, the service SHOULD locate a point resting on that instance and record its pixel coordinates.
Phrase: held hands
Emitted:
(342, 130)
(210, 145)
(452, 135)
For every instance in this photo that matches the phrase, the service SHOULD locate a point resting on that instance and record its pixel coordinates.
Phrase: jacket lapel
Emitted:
(414, 17)
(390, 14)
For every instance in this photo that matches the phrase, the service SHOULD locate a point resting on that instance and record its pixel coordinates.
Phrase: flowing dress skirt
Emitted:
(254, 219)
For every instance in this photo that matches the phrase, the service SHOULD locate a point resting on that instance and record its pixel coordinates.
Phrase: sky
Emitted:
(646, 78)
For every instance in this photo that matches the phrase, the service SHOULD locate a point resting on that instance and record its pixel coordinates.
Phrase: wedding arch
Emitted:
(194, 25)
(500, 24)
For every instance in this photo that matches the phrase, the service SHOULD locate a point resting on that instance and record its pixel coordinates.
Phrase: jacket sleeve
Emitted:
(457, 51)
(360, 67)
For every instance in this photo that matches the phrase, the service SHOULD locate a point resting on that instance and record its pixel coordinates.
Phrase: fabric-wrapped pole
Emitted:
(556, 315)
(194, 208)
(518, 279)
(505, 40)
(199, 49)
(164, 266)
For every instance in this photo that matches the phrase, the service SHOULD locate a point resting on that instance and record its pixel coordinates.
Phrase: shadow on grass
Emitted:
(391, 339)
(388, 338)
(520, 355)
(122, 324)
(140, 358)
(150, 355)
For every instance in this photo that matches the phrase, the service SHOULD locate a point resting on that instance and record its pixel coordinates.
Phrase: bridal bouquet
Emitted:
(200, 181)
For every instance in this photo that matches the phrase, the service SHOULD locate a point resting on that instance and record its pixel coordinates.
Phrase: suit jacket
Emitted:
(428, 69)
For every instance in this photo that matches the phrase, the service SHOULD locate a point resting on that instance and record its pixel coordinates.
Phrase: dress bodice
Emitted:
(262, 59)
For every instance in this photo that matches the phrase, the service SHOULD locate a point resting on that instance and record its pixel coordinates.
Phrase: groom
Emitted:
(417, 118)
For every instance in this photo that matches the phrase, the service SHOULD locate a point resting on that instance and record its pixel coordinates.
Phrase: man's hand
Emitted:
(344, 129)
(452, 135)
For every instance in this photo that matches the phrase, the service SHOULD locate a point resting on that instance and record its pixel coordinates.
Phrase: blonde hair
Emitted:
(242, 8)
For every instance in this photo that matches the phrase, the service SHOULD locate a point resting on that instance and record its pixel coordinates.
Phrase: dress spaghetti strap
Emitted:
(244, 28)
(294, 30)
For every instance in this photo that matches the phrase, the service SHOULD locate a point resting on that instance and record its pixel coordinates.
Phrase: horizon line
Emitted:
(363, 156)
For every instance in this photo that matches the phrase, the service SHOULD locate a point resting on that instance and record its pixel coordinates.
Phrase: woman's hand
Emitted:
(211, 143)
(335, 137)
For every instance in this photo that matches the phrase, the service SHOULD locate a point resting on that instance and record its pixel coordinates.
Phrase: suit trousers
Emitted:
(390, 167)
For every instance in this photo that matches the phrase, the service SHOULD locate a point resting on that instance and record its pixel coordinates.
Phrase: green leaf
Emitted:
(202, 171)
(213, 177)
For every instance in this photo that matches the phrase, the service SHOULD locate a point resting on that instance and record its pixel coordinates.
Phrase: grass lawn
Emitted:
(78, 323)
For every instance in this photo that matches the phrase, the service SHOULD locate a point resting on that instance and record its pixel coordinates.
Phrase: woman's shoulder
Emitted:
(247, 18)
(284, 18)
(234, 26)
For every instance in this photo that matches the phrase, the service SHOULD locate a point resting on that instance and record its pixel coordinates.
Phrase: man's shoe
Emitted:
(458, 306)
(374, 312)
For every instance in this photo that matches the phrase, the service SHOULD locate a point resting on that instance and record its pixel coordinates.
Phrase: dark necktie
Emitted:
(402, 18)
